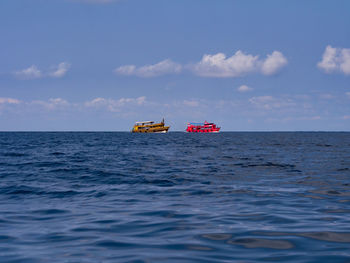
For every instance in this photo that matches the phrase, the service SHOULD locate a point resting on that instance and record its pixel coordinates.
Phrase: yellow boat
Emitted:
(150, 127)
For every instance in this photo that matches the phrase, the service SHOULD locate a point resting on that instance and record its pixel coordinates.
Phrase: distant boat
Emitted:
(202, 127)
(150, 127)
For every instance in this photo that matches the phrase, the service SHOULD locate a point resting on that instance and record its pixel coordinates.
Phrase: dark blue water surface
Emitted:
(176, 197)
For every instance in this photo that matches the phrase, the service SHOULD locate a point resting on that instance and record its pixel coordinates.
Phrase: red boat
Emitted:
(202, 127)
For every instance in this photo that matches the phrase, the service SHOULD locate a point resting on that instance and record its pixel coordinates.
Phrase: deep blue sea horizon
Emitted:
(175, 197)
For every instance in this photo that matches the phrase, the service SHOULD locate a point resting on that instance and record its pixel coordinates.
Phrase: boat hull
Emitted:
(165, 130)
(161, 132)
(204, 131)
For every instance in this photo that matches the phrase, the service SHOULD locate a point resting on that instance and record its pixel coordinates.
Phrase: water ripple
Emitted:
(227, 197)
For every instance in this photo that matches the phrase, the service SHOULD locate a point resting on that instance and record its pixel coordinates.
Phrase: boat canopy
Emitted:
(199, 123)
(144, 122)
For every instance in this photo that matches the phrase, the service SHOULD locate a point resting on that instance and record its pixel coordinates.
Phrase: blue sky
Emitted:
(246, 65)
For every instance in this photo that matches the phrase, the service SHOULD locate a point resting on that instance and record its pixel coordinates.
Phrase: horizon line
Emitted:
(4, 131)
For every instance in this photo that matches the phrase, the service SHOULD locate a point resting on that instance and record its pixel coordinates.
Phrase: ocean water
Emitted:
(176, 197)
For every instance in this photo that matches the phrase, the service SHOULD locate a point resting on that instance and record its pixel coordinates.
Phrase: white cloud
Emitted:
(9, 101)
(61, 70)
(273, 63)
(329, 61)
(244, 88)
(52, 104)
(162, 68)
(58, 101)
(138, 101)
(269, 102)
(219, 65)
(115, 105)
(127, 70)
(34, 73)
(345, 65)
(96, 102)
(240, 64)
(335, 60)
(275, 109)
(29, 73)
(262, 101)
(294, 118)
(347, 94)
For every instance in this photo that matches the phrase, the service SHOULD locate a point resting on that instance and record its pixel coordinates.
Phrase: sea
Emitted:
(175, 197)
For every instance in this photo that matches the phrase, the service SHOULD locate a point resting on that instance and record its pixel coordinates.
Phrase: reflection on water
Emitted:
(329, 236)
(262, 243)
(121, 197)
